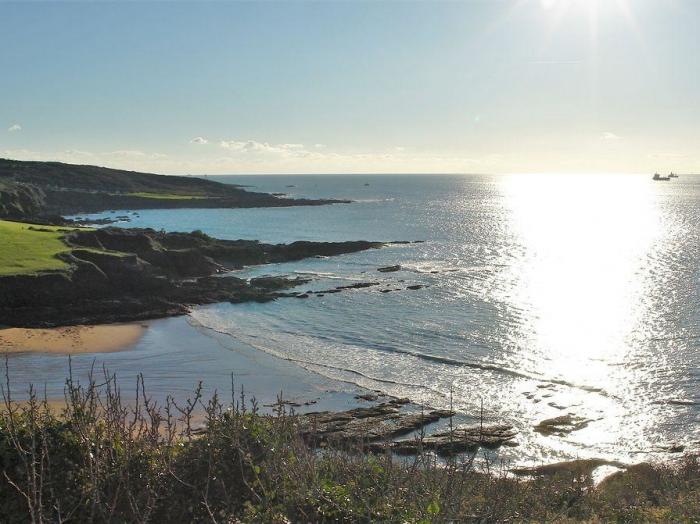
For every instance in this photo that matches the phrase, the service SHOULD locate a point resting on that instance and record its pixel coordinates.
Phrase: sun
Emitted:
(594, 11)
(590, 6)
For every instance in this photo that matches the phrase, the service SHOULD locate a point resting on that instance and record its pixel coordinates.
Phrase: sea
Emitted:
(535, 296)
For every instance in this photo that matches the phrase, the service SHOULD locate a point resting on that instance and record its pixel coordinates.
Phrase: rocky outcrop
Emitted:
(376, 428)
(460, 440)
(561, 426)
(133, 274)
(365, 425)
(20, 200)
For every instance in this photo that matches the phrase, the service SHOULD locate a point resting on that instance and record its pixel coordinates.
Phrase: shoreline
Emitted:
(70, 340)
(163, 353)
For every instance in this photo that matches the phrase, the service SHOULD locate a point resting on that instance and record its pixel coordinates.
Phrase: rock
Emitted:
(276, 283)
(571, 467)
(676, 402)
(460, 440)
(358, 285)
(389, 269)
(302, 295)
(414, 287)
(371, 424)
(561, 426)
(282, 403)
(367, 396)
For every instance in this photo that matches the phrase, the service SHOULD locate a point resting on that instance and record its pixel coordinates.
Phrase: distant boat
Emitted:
(659, 177)
(673, 175)
(366, 184)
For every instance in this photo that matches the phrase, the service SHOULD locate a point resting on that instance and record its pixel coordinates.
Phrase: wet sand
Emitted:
(72, 339)
(173, 355)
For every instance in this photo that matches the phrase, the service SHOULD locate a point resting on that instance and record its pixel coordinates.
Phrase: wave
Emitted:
(254, 341)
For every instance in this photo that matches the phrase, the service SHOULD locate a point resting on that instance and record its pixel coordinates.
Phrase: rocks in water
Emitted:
(570, 467)
(415, 286)
(370, 397)
(377, 427)
(673, 447)
(561, 426)
(302, 295)
(282, 403)
(276, 282)
(389, 269)
(358, 285)
(676, 402)
(338, 289)
(460, 440)
(371, 424)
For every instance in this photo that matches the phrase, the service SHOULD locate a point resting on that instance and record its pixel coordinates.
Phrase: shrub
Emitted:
(104, 460)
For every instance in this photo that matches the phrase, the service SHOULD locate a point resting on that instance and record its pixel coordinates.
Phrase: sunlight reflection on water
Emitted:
(584, 279)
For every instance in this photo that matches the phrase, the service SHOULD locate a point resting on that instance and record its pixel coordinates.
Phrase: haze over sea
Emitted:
(544, 295)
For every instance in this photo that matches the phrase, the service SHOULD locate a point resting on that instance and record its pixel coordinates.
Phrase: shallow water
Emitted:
(544, 295)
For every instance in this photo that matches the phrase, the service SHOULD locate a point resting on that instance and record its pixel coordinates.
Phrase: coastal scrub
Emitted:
(106, 460)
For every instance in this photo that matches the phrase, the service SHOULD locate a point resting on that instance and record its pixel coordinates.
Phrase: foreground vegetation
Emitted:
(29, 249)
(100, 461)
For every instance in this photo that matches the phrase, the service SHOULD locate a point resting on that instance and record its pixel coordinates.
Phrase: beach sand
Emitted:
(173, 355)
(71, 339)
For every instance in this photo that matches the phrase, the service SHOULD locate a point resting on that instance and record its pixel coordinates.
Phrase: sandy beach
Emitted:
(71, 339)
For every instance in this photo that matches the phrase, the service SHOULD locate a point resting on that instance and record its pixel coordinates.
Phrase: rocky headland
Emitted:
(118, 275)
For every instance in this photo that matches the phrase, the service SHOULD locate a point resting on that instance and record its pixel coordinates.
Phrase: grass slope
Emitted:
(26, 248)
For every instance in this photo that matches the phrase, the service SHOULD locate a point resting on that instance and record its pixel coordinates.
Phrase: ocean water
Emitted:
(543, 295)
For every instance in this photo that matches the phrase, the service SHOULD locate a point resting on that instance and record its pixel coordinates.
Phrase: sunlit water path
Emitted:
(545, 295)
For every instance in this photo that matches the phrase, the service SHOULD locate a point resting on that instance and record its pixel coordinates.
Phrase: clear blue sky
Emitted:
(304, 87)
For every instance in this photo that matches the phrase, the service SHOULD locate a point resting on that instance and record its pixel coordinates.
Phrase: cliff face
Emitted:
(20, 200)
(124, 274)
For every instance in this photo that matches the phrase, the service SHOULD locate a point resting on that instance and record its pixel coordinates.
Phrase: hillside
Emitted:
(40, 189)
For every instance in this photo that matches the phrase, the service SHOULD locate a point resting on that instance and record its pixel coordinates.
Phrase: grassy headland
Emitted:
(53, 276)
(49, 189)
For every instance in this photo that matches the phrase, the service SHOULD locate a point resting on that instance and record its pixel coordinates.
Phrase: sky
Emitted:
(490, 86)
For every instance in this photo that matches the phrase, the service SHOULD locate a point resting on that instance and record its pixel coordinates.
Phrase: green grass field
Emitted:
(167, 196)
(26, 248)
